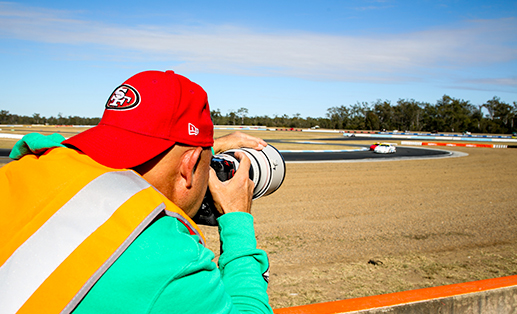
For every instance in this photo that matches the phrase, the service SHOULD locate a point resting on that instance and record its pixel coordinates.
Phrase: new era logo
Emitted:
(192, 130)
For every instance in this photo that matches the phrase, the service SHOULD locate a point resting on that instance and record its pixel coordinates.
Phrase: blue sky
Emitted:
(271, 57)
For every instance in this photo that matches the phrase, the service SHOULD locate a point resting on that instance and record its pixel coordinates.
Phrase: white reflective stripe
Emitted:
(47, 248)
(97, 275)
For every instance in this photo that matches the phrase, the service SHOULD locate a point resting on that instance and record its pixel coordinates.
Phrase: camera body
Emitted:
(267, 171)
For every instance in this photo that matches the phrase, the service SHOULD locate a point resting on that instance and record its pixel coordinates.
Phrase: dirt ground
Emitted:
(341, 230)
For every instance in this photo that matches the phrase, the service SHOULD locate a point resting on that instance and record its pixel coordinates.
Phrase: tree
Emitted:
(514, 117)
(454, 114)
(358, 113)
(231, 117)
(338, 117)
(501, 114)
(385, 113)
(242, 113)
(372, 121)
(296, 121)
(217, 117)
(4, 116)
(36, 118)
(408, 115)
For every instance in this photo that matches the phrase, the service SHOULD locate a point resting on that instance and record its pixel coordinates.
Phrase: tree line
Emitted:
(446, 115)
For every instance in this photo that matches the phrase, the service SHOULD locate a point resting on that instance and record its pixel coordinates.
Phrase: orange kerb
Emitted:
(400, 298)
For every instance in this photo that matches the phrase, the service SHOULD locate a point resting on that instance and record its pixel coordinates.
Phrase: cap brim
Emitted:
(118, 148)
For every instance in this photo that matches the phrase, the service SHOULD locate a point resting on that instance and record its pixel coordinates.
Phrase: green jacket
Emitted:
(167, 270)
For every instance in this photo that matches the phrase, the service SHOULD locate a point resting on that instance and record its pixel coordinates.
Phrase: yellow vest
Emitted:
(64, 219)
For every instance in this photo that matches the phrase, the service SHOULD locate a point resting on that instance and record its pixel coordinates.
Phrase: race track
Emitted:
(341, 156)
(4, 155)
(402, 153)
(362, 154)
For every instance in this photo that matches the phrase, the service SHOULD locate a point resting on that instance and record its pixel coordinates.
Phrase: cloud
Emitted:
(510, 82)
(239, 50)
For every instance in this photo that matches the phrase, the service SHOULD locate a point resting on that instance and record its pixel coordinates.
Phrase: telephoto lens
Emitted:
(267, 171)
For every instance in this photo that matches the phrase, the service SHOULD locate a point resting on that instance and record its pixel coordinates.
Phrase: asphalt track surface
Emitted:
(322, 156)
(4, 153)
(402, 153)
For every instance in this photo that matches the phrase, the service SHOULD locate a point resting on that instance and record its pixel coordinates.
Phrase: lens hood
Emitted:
(267, 170)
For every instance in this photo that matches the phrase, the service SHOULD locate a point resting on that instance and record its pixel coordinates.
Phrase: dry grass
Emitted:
(429, 222)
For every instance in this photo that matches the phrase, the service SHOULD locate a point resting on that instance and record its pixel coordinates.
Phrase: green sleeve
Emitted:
(237, 286)
(166, 270)
(244, 268)
(35, 143)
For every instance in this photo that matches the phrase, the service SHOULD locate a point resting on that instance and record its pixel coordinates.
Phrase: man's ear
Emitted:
(189, 162)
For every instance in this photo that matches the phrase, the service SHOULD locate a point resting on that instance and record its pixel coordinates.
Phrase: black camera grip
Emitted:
(207, 213)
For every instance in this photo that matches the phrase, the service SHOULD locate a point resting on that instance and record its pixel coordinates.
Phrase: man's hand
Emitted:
(238, 140)
(233, 195)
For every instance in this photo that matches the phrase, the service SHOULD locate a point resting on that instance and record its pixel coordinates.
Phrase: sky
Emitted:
(272, 57)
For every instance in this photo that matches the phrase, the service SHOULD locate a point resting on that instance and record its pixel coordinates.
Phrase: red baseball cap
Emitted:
(146, 115)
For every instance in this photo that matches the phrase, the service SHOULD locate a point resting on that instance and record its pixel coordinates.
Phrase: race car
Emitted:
(385, 148)
(372, 147)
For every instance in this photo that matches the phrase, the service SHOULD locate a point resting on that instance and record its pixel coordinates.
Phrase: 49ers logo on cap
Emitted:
(123, 97)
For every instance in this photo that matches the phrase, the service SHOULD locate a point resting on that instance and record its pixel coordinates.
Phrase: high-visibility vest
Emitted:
(64, 220)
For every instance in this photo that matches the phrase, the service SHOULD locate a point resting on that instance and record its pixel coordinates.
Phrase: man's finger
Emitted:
(244, 162)
(213, 180)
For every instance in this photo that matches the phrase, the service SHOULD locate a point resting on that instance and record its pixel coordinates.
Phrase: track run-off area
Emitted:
(354, 227)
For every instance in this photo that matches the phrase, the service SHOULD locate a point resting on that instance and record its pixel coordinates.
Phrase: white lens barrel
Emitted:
(268, 169)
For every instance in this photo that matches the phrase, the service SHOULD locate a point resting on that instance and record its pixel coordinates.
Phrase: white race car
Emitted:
(385, 148)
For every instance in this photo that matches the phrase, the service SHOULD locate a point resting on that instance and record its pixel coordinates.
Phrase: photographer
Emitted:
(82, 233)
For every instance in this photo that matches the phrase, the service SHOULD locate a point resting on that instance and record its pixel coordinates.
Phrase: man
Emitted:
(80, 232)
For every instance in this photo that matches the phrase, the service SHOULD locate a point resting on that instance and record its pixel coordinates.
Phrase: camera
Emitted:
(267, 171)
